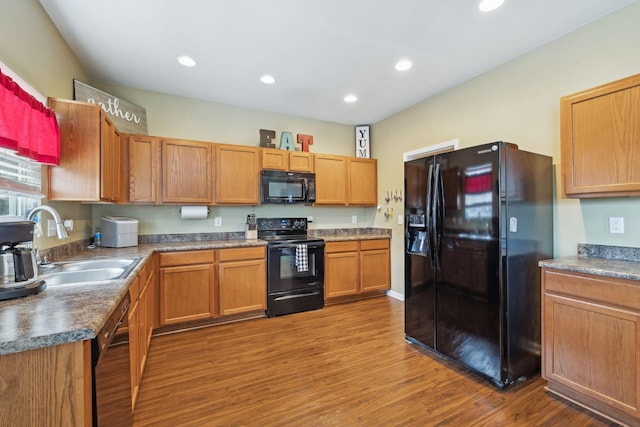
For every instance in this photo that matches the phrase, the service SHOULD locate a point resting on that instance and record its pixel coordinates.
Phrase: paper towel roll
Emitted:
(194, 212)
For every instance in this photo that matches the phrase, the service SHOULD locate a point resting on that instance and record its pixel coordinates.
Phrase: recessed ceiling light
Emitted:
(267, 79)
(350, 98)
(403, 65)
(489, 5)
(187, 61)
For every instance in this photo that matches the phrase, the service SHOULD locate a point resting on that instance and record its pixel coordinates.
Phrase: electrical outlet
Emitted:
(354, 219)
(400, 217)
(616, 225)
(309, 219)
(217, 221)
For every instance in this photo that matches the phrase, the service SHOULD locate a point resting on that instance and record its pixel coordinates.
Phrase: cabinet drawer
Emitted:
(236, 254)
(621, 292)
(341, 246)
(187, 258)
(366, 245)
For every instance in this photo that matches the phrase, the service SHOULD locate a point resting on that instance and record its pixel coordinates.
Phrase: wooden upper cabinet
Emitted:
(89, 169)
(142, 156)
(363, 181)
(275, 159)
(600, 138)
(331, 179)
(298, 161)
(187, 172)
(110, 171)
(237, 174)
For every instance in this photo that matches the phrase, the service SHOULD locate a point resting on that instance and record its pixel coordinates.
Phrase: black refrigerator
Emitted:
(477, 221)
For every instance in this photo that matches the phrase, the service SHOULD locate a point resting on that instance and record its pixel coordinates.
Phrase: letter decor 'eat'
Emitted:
(286, 140)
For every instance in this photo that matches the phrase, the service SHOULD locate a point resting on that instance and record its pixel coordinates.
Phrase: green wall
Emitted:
(519, 102)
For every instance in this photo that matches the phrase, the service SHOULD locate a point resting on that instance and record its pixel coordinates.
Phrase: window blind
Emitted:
(19, 175)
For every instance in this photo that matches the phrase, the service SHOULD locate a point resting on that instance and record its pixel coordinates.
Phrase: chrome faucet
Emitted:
(61, 232)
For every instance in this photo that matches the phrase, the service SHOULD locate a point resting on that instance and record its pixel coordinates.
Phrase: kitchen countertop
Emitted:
(600, 260)
(76, 312)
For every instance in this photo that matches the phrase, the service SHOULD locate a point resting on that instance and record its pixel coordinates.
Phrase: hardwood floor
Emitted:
(344, 365)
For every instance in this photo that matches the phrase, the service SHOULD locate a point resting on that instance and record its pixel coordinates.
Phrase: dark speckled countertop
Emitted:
(600, 260)
(75, 312)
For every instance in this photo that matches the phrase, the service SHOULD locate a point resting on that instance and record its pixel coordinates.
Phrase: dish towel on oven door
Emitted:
(302, 258)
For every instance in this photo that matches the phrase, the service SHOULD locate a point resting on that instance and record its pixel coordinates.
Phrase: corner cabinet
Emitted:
(591, 342)
(89, 169)
(356, 268)
(237, 175)
(600, 134)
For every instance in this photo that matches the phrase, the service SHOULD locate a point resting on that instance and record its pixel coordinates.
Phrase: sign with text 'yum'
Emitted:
(127, 117)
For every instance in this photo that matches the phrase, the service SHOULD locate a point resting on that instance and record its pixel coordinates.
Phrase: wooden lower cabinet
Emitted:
(590, 342)
(187, 286)
(341, 269)
(208, 284)
(355, 268)
(47, 386)
(242, 280)
(140, 324)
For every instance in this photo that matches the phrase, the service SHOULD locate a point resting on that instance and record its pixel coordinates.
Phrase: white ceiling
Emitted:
(318, 50)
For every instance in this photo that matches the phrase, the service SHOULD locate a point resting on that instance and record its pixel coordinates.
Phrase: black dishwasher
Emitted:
(111, 372)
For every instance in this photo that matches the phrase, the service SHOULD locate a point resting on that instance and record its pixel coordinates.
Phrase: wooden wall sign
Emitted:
(362, 142)
(286, 140)
(126, 116)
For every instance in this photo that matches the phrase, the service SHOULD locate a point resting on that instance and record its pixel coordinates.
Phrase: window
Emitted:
(20, 184)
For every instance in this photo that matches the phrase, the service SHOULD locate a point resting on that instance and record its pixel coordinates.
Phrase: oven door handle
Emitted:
(286, 297)
(282, 246)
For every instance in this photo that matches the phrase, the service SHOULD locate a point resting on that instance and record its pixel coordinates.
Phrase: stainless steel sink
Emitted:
(96, 275)
(88, 271)
(94, 264)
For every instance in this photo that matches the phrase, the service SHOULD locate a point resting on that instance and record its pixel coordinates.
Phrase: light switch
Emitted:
(217, 222)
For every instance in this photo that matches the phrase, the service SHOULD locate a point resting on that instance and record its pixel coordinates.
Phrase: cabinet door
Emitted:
(300, 161)
(340, 274)
(275, 159)
(143, 175)
(591, 348)
(243, 286)
(187, 172)
(375, 271)
(237, 175)
(600, 130)
(331, 179)
(187, 293)
(363, 182)
(77, 177)
(110, 160)
(133, 320)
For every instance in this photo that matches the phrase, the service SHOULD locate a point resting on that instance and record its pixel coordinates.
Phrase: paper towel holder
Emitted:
(183, 211)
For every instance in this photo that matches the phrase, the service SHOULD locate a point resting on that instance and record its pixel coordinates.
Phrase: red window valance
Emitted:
(26, 125)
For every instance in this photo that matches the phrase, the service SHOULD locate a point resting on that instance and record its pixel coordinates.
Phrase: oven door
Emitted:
(295, 266)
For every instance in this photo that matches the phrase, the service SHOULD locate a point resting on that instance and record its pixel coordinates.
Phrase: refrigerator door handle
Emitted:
(437, 214)
(429, 215)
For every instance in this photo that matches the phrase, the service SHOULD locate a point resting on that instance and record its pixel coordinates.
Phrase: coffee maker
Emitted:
(18, 265)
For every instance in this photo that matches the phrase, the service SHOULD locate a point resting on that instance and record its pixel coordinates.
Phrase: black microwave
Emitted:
(287, 187)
